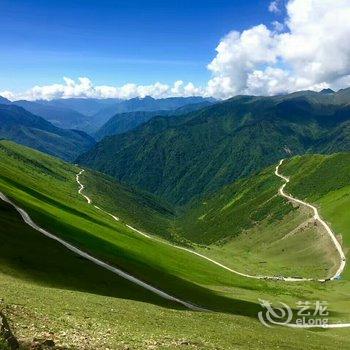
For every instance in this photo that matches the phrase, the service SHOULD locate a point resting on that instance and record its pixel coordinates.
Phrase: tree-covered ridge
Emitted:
(184, 157)
(124, 122)
(23, 127)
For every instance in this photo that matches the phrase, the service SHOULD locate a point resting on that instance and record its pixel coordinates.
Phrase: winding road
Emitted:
(286, 279)
(25, 216)
(275, 278)
(260, 277)
(318, 218)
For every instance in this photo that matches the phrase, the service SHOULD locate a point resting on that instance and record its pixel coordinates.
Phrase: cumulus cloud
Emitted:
(308, 51)
(84, 88)
(7, 94)
(278, 26)
(238, 54)
(274, 6)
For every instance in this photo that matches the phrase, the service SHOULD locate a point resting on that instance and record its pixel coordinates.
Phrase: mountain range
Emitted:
(21, 126)
(183, 157)
(4, 101)
(59, 116)
(146, 104)
(121, 228)
(85, 106)
(75, 234)
(123, 122)
(58, 127)
(90, 114)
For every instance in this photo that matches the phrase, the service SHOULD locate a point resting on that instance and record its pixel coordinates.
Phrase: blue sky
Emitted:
(116, 42)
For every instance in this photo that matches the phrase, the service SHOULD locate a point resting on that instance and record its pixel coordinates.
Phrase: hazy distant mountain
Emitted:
(86, 106)
(89, 114)
(23, 127)
(324, 97)
(147, 104)
(59, 116)
(4, 101)
(182, 157)
(127, 121)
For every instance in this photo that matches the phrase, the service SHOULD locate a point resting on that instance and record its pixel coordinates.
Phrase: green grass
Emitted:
(45, 285)
(4, 345)
(49, 194)
(325, 181)
(28, 255)
(247, 224)
(235, 208)
(48, 292)
(138, 209)
(281, 248)
(185, 157)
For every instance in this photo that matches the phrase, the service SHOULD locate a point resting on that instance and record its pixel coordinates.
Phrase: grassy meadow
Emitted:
(46, 288)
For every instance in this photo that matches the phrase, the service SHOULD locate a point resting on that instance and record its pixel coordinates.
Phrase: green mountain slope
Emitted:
(47, 189)
(4, 101)
(102, 313)
(137, 208)
(312, 178)
(248, 224)
(184, 157)
(49, 293)
(235, 208)
(325, 180)
(28, 255)
(123, 122)
(28, 129)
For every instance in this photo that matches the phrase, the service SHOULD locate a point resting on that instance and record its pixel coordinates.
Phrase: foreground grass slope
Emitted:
(34, 284)
(49, 293)
(46, 188)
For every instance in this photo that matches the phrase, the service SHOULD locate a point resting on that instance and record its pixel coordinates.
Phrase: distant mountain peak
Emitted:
(4, 101)
(21, 126)
(218, 144)
(327, 91)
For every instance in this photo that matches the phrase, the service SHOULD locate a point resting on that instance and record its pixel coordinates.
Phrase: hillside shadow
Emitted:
(26, 254)
(55, 203)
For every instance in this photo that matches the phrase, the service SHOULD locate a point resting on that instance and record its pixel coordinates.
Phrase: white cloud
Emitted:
(274, 6)
(309, 49)
(84, 87)
(312, 52)
(238, 54)
(7, 94)
(278, 26)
